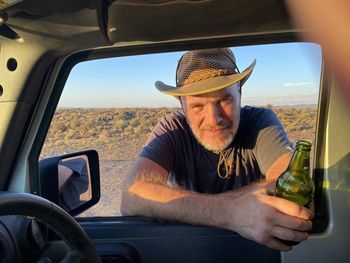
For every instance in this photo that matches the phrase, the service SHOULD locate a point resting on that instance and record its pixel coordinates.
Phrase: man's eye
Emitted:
(226, 100)
(197, 107)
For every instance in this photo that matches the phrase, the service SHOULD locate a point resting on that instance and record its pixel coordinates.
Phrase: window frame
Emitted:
(322, 213)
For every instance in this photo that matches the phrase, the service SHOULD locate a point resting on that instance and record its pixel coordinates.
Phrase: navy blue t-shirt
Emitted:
(260, 140)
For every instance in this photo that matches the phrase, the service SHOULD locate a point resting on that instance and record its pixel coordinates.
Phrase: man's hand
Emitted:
(264, 218)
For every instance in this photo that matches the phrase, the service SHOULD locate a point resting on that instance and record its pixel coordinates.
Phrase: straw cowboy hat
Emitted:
(206, 70)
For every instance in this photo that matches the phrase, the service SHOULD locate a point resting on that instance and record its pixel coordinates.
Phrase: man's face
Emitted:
(214, 116)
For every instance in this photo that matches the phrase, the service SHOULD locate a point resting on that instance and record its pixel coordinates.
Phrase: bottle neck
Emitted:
(300, 161)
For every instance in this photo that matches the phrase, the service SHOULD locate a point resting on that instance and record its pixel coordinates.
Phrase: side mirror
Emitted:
(71, 180)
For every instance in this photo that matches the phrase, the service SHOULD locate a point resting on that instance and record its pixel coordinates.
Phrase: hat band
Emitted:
(203, 74)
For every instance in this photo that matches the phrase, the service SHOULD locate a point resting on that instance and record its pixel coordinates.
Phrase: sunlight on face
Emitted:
(214, 117)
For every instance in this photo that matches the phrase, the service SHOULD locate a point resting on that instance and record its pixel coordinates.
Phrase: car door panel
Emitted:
(158, 241)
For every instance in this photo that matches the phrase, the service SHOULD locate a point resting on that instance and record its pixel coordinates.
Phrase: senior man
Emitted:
(214, 163)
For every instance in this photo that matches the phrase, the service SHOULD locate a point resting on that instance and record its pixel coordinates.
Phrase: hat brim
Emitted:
(207, 85)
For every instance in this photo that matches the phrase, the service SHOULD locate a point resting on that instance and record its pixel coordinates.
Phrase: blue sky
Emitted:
(285, 74)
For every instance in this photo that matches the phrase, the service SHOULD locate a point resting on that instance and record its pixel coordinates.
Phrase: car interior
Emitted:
(45, 48)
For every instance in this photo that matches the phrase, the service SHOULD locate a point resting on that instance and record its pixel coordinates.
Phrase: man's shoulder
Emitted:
(255, 110)
(250, 112)
(174, 119)
(175, 115)
(255, 119)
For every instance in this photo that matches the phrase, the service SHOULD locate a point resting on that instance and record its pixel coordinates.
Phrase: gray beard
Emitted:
(215, 149)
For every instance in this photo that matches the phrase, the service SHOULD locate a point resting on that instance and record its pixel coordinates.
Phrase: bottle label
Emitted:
(306, 164)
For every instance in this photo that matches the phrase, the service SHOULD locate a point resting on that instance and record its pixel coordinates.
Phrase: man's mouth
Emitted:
(217, 130)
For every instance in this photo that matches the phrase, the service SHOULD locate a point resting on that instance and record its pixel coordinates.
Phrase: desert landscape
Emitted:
(118, 135)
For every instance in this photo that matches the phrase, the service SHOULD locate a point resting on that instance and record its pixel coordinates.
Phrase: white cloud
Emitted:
(300, 85)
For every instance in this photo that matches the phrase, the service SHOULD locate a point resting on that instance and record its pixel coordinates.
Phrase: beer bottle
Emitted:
(295, 184)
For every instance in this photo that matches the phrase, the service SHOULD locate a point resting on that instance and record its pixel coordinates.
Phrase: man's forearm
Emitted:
(162, 201)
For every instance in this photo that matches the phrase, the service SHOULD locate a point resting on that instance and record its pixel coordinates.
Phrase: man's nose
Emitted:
(214, 115)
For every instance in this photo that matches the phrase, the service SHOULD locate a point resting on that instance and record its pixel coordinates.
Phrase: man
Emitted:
(213, 164)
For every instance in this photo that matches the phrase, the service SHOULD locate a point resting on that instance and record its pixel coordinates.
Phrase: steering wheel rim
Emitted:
(54, 217)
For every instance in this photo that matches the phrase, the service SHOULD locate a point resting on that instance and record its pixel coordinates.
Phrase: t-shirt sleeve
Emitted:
(160, 146)
(272, 140)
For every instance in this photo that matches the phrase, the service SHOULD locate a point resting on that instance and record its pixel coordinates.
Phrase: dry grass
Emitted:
(119, 134)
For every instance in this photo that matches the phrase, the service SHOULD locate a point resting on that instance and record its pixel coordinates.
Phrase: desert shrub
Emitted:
(134, 122)
(139, 130)
(103, 135)
(128, 115)
(71, 134)
(119, 125)
(74, 123)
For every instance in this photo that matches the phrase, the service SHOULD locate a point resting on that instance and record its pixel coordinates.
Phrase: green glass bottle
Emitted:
(295, 184)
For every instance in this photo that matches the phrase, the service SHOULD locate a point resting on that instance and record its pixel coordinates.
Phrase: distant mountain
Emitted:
(297, 106)
(291, 101)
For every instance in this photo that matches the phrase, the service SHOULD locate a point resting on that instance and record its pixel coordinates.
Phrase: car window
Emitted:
(111, 105)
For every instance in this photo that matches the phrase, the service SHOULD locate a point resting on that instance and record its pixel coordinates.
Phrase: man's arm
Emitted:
(64, 173)
(278, 167)
(249, 211)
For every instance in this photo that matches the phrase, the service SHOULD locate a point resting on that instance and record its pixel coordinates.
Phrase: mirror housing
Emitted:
(71, 180)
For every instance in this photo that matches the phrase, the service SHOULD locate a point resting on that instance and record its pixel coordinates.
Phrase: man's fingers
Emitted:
(270, 188)
(291, 222)
(289, 207)
(311, 206)
(288, 234)
(278, 245)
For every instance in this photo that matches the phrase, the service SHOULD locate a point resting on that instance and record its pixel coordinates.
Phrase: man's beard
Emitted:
(222, 141)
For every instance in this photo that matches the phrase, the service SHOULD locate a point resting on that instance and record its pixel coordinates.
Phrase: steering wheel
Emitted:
(54, 217)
